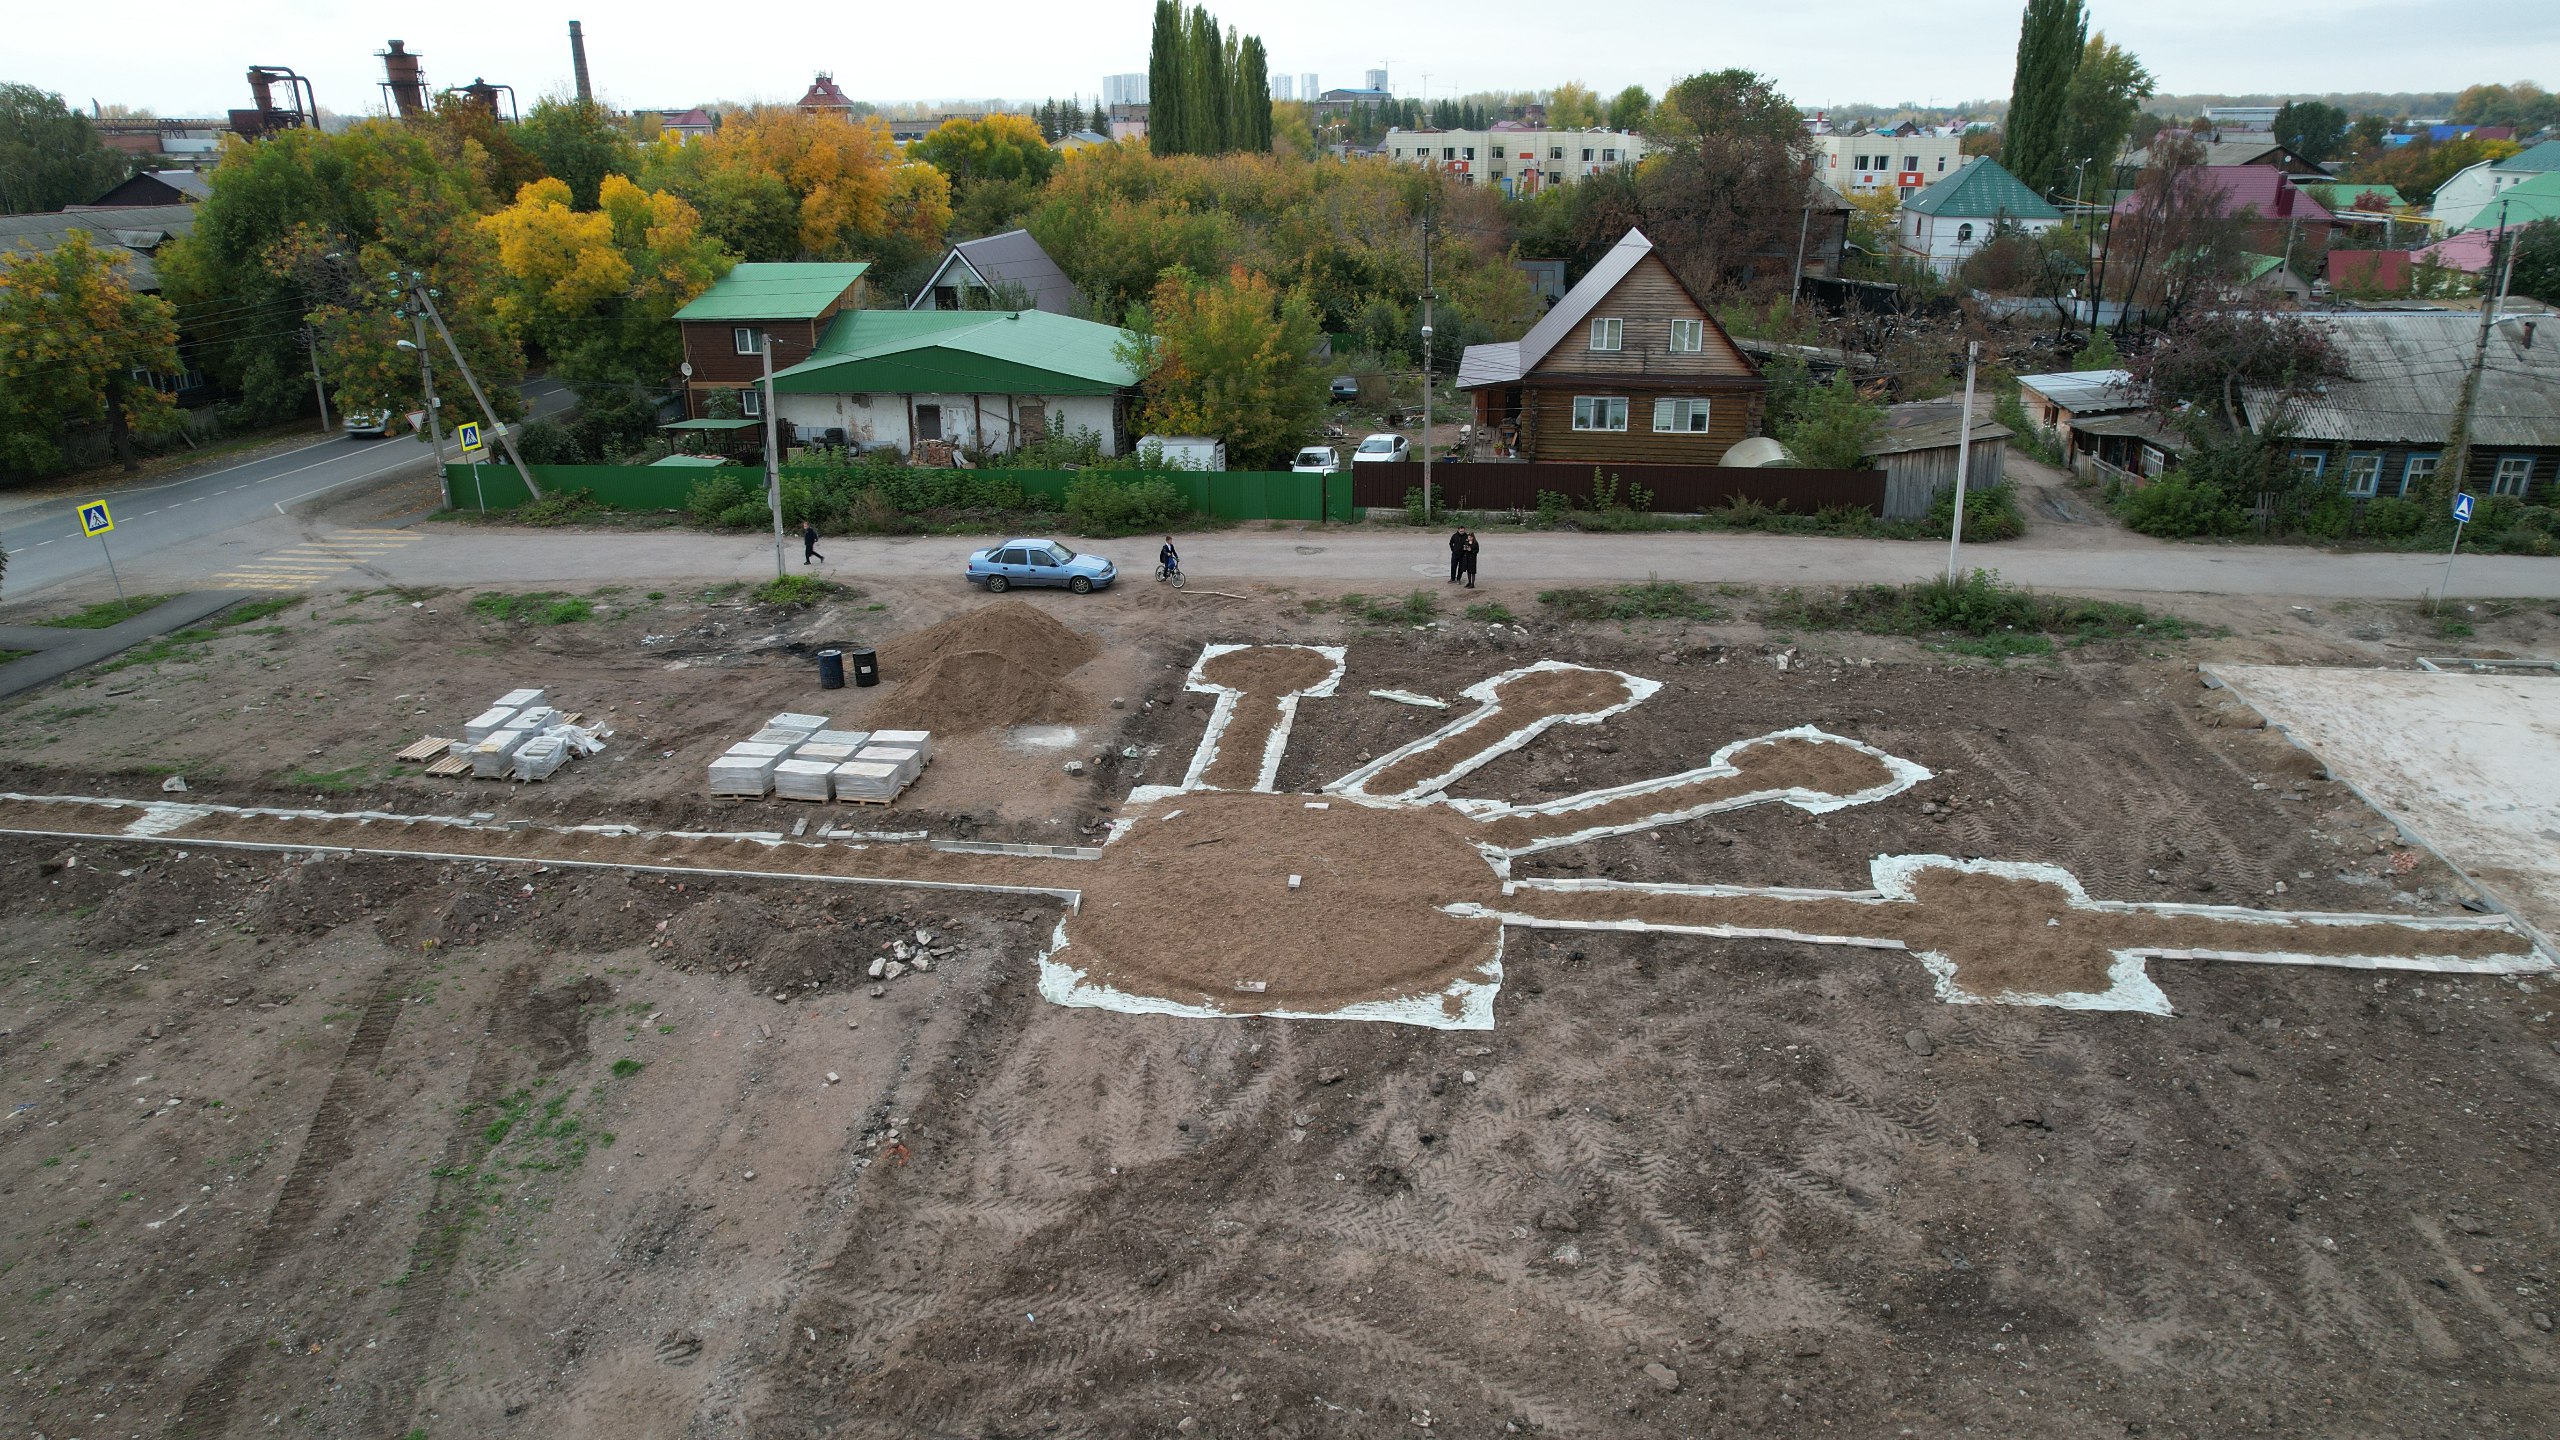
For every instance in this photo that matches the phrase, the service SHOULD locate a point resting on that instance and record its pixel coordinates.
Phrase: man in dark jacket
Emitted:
(809, 543)
(1467, 559)
(1457, 554)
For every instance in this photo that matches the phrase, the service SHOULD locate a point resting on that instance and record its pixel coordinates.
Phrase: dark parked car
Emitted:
(1345, 388)
(1039, 562)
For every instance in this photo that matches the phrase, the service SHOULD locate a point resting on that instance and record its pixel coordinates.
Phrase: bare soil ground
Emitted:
(380, 1147)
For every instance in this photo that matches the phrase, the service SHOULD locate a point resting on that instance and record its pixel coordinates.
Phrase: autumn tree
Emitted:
(2106, 93)
(2052, 36)
(2173, 242)
(1725, 197)
(72, 332)
(1572, 106)
(850, 194)
(580, 142)
(1232, 358)
(49, 155)
(597, 290)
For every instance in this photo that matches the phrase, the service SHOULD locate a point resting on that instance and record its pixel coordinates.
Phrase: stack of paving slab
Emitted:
(795, 757)
(521, 738)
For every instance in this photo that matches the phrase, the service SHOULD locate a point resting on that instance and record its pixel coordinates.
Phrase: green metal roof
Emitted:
(2545, 156)
(773, 291)
(2344, 196)
(708, 424)
(1982, 191)
(962, 352)
(2521, 204)
(2254, 265)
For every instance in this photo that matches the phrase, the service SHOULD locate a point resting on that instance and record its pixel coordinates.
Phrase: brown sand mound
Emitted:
(1000, 664)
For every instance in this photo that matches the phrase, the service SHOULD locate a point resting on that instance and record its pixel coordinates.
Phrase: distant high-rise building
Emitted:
(1124, 89)
(1283, 87)
(1377, 79)
(1307, 86)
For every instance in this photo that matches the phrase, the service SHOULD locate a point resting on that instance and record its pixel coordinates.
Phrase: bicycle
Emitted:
(1169, 574)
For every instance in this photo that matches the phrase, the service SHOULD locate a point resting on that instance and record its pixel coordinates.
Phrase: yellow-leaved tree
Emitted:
(782, 185)
(72, 332)
(1232, 357)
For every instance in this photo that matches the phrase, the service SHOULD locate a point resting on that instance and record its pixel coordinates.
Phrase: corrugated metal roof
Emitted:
(135, 229)
(962, 352)
(1490, 364)
(1933, 424)
(2545, 156)
(2086, 392)
(1982, 190)
(2406, 374)
(766, 290)
(2260, 188)
(1016, 258)
(2519, 204)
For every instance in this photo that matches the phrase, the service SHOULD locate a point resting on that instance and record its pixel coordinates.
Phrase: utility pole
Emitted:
(1964, 457)
(772, 456)
(1804, 228)
(2456, 469)
(1428, 295)
(319, 387)
(435, 421)
(425, 299)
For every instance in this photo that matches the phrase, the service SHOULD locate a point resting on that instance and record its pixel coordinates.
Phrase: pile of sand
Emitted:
(999, 665)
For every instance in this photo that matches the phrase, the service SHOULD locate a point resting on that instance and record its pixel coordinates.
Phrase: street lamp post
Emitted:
(427, 385)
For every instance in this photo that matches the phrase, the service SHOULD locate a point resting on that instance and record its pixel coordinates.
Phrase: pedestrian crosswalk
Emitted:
(314, 562)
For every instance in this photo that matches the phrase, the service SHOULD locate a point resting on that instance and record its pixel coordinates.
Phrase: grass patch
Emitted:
(1490, 612)
(254, 610)
(798, 590)
(330, 782)
(1652, 600)
(538, 607)
(626, 1067)
(8, 655)
(1977, 615)
(1420, 607)
(107, 612)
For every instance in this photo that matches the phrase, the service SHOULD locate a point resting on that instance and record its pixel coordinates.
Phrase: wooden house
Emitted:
(725, 326)
(1627, 367)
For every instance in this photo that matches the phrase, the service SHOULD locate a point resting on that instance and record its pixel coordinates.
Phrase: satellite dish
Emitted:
(1754, 453)
(686, 369)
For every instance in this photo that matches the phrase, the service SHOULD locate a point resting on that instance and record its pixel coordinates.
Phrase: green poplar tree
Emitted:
(2052, 35)
(1166, 72)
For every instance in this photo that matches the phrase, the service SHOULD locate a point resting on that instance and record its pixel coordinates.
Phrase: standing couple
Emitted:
(1462, 557)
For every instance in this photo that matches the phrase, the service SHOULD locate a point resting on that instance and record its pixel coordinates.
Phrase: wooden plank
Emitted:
(426, 749)
(451, 765)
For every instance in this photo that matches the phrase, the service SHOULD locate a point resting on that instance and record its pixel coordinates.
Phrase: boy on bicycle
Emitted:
(1167, 561)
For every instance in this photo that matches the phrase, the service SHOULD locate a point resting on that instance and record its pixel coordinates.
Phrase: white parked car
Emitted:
(1316, 460)
(373, 423)
(1382, 447)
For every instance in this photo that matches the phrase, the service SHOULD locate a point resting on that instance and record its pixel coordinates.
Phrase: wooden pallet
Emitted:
(451, 765)
(426, 749)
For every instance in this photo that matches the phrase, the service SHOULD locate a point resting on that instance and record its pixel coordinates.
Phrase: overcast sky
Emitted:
(184, 60)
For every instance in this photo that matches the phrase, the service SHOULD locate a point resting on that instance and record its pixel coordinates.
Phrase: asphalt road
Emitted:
(46, 547)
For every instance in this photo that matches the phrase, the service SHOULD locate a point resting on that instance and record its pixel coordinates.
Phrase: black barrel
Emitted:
(831, 669)
(866, 666)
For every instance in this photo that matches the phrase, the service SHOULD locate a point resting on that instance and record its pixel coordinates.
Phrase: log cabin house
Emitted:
(1628, 367)
(724, 328)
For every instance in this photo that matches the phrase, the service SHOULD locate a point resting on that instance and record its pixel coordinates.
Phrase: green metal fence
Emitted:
(1226, 495)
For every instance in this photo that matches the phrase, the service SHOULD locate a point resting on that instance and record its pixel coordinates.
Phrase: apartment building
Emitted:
(1856, 164)
(1519, 159)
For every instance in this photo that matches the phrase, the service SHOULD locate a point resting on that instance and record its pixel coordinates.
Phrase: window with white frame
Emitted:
(1910, 162)
(1964, 233)
(751, 403)
(2310, 462)
(2514, 475)
(2417, 472)
(1688, 337)
(1470, 153)
(1680, 417)
(1609, 156)
(1555, 152)
(1942, 164)
(746, 339)
(1599, 412)
(1608, 334)
(1586, 154)
(2364, 474)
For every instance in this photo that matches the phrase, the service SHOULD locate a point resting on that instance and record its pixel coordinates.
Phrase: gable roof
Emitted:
(2347, 195)
(1982, 190)
(2262, 188)
(1012, 256)
(1506, 360)
(2086, 392)
(962, 352)
(767, 290)
(2406, 370)
(2522, 204)
(136, 229)
(2545, 156)
(155, 187)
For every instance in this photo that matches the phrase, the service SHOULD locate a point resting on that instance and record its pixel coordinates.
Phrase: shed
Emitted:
(1917, 453)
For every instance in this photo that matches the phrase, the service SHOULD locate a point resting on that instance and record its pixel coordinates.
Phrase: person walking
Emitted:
(1457, 553)
(1467, 559)
(809, 543)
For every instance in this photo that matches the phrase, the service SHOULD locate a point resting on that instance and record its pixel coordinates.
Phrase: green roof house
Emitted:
(986, 380)
(2536, 197)
(726, 327)
(2465, 202)
(1950, 220)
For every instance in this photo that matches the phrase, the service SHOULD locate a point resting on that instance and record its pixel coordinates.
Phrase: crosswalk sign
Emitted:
(94, 519)
(469, 433)
(2461, 509)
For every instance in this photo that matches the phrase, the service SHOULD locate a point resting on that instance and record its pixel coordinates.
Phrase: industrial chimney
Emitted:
(405, 81)
(578, 58)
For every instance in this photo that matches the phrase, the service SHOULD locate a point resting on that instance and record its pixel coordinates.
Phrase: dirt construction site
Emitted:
(1264, 1017)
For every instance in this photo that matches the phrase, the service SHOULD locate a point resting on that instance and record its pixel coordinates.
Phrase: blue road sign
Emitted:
(469, 433)
(94, 519)
(2461, 509)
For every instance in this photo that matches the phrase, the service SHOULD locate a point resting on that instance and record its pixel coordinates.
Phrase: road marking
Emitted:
(350, 480)
(311, 562)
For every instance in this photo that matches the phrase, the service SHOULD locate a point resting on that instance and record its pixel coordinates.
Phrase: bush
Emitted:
(1107, 504)
(548, 442)
(2176, 506)
(560, 507)
(2394, 518)
(797, 591)
(1652, 600)
(1990, 513)
(710, 501)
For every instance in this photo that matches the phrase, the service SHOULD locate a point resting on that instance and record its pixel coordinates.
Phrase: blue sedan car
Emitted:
(1039, 562)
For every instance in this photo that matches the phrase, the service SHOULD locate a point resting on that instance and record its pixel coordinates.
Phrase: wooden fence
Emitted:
(1674, 489)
